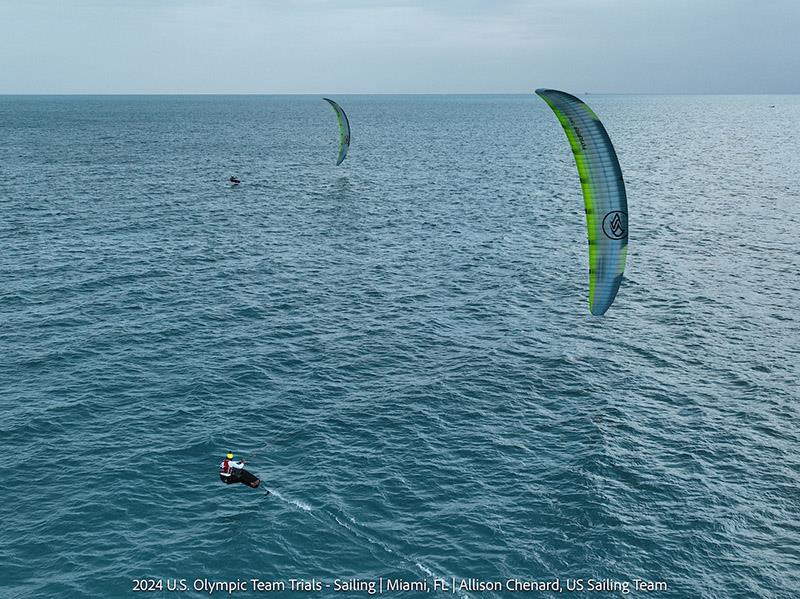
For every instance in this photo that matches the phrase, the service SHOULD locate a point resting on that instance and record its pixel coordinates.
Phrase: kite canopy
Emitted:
(344, 130)
(603, 195)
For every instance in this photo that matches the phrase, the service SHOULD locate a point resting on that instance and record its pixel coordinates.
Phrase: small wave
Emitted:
(295, 502)
(364, 535)
(425, 569)
(359, 533)
(431, 574)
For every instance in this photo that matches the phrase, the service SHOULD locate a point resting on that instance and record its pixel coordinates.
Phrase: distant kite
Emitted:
(603, 194)
(344, 130)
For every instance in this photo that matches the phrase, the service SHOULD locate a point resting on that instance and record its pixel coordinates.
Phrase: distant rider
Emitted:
(230, 470)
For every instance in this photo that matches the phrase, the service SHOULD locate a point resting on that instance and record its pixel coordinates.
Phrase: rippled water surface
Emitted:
(403, 340)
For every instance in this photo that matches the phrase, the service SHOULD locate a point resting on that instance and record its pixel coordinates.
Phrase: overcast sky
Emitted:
(399, 46)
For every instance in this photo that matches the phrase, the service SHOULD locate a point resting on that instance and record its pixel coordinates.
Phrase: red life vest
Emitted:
(225, 467)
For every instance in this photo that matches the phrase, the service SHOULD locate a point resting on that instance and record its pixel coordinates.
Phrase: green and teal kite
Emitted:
(344, 130)
(603, 195)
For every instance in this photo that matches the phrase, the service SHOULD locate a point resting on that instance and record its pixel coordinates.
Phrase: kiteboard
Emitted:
(242, 476)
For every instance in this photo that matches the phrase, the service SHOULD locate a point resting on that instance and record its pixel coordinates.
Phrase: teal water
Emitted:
(406, 336)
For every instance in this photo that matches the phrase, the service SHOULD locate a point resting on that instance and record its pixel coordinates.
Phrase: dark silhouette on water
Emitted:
(232, 471)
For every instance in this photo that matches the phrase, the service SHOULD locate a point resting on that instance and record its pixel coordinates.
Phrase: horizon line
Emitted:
(262, 94)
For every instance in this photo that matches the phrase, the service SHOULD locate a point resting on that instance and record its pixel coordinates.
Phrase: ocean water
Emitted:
(403, 341)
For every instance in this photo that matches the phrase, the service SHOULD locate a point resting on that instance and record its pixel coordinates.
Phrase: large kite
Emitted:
(603, 195)
(344, 130)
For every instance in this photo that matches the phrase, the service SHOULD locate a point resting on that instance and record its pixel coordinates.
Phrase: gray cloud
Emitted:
(407, 46)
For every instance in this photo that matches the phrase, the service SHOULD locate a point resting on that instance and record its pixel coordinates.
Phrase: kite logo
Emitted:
(615, 225)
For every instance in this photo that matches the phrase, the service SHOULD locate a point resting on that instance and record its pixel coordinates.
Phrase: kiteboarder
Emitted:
(234, 180)
(232, 471)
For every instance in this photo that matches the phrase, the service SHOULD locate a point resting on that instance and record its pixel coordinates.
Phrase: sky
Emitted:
(398, 46)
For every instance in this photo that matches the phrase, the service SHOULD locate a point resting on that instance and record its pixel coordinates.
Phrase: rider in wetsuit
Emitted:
(230, 471)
